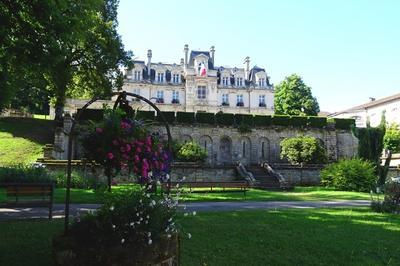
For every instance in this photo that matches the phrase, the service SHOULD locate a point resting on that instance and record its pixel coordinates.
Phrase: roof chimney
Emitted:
(212, 54)
(186, 50)
(149, 54)
(247, 67)
(371, 99)
(182, 62)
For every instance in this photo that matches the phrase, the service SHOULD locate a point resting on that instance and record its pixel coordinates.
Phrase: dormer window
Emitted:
(225, 81)
(239, 82)
(175, 78)
(160, 77)
(261, 82)
(137, 75)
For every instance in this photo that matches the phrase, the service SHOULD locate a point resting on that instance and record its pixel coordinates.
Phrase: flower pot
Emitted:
(164, 252)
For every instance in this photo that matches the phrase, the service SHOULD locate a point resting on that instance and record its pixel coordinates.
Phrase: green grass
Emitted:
(280, 237)
(298, 194)
(22, 139)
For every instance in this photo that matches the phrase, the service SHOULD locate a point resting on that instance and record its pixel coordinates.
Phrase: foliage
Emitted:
(244, 128)
(24, 174)
(303, 150)
(352, 175)
(77, 180)
(135, 219)
(191, 152)
(391, 140)
(281, 120)
(120, 143)
(169, 117)
(185, 117)
(225, 119)
(145, 115)
(261, 120)
(244, 119)
(299, 121)
(205, 118)
(391, 201)
(294, 97)
(316, 121)
(66, 47)
(344, 123)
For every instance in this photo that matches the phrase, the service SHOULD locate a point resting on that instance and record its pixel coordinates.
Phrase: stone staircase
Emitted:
(263, 179)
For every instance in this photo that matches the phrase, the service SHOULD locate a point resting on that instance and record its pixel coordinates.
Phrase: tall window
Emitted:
(160, 96)
(160, 77)
(136, 75)
(239, 100)
(244, 149)
(261, 101)
(175, 78)
(239, 82)
(201, 92)
(225, 81)
(175, 96)
(261, 82)
(225, 99)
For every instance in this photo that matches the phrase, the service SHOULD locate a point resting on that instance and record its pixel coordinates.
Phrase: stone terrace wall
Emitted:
(226, 145)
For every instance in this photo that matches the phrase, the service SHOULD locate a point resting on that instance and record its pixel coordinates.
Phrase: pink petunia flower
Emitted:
(99, 130)
(110, 156)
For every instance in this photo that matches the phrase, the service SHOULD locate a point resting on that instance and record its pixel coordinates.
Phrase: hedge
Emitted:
(91, 114)
(299, 121)
(205, 118)
(262, 120)
(344, 123)
(169, 116)
(185, 117)
(225, 119)
(244, 119)
(281, 120)
(319, 122)
(145, 115)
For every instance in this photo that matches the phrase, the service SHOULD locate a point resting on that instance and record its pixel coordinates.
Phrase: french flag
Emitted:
(203, 71)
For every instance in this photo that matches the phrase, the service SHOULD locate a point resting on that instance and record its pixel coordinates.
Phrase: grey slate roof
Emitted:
(193, 54)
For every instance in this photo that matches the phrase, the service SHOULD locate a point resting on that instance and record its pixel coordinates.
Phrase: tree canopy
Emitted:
(294, 97)
(66, 47)
(391, 140)
(302, 150)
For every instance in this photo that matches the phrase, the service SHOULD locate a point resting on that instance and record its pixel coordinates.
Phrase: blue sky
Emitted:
(347, 51)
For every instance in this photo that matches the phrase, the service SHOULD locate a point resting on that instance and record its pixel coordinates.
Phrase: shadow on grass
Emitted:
(37, 130)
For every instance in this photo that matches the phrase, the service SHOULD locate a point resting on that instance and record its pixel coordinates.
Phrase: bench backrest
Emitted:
(21, 190)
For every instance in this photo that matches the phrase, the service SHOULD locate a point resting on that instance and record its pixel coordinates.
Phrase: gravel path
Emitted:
(58, 211)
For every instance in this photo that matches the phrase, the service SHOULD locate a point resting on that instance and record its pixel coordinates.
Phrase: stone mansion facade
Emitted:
(196, 84)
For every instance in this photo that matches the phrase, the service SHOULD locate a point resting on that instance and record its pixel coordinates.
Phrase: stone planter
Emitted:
(164, 252)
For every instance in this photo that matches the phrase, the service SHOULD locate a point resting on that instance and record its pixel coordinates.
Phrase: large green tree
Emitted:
(71, 45)
(294, 97)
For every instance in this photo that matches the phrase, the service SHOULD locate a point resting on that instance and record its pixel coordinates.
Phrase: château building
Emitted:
(198, 84)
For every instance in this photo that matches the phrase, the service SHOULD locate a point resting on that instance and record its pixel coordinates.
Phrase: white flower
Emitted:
(186, 214)
(140, 201)
(177, 185)
(150, 241)
(169, 236)
(132, 224)
(113, 226)
(149, 234)
(148, 195)
(137, 214)
(153, 202)
(158, 182)
(183, 178)
(194, 213)
(148, 216)
(170, 219)
(111, 208)
(189, 235)
(150, 174)
(122, 241)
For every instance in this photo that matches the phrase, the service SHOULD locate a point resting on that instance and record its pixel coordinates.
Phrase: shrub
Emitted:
(351, 174)
(191, 152)
(318, 122)
(225, 119)
(391, 140)
(77, 180)
(262, 120)
(205, 118)
(303, 150)
(169, 117)
(391, 202)
(24, 174)
(184, 117)
(281, 120)
(344, 123)
(91, 114)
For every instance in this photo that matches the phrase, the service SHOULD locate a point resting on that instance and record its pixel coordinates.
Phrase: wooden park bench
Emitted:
(227, 186)
(29, 195)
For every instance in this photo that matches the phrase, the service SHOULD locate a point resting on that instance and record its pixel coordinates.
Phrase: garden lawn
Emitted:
(298, 194)
(280, 237)
(22, 139)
